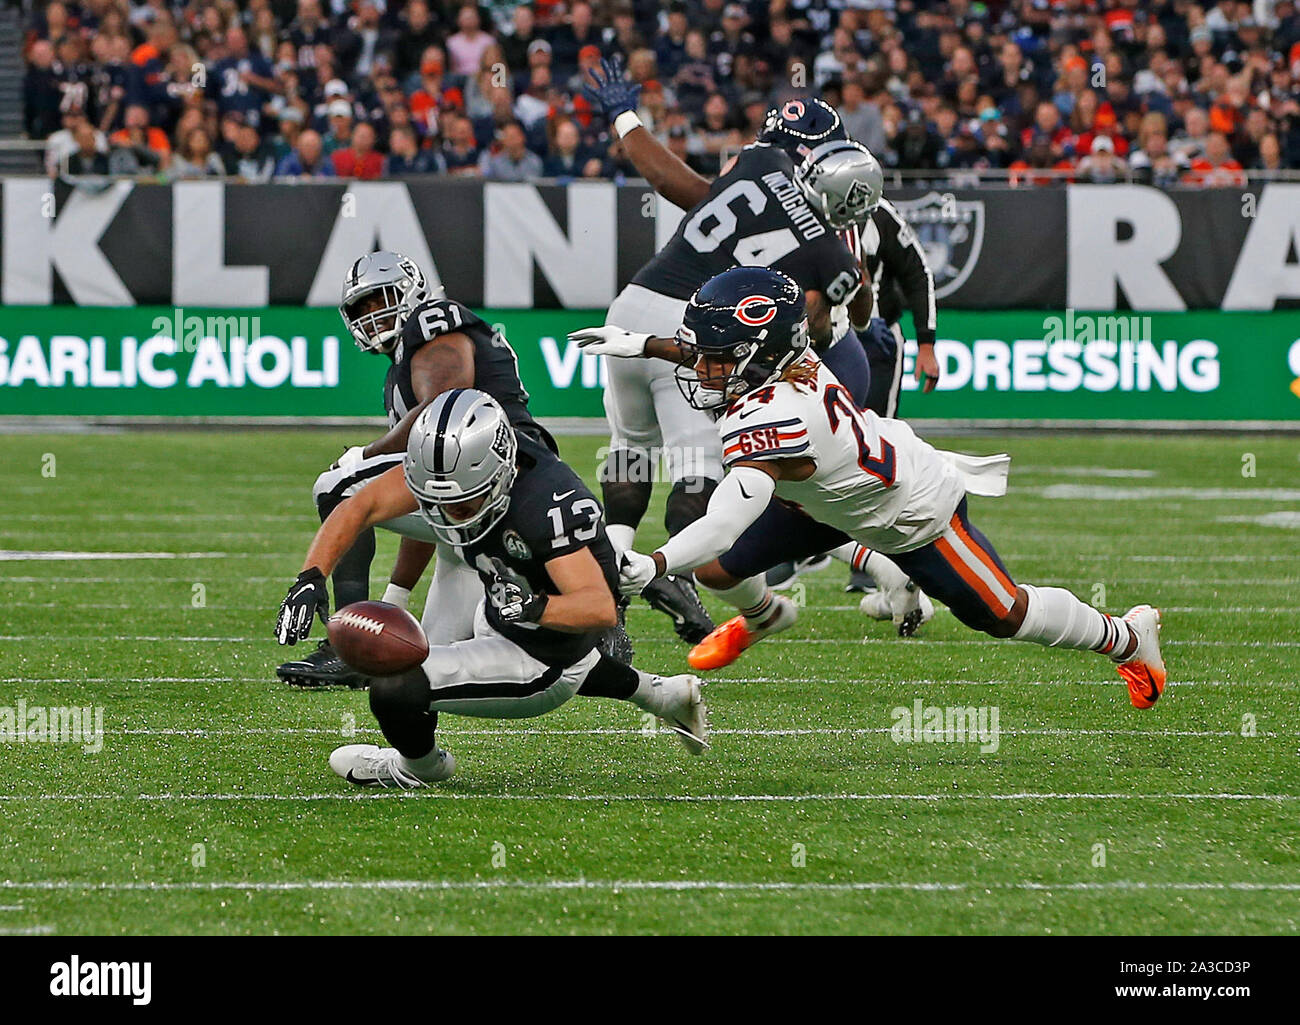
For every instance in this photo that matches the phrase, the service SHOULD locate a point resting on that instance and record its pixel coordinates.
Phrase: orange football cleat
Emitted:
(723, 646)
(1144, 670)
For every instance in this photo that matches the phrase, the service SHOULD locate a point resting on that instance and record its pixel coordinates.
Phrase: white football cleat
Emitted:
(1144, 670)
(908, 607)
(684, 711)
(369, 766)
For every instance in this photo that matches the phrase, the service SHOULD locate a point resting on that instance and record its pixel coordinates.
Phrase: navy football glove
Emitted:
(611, 92)
(307, 598)
(513, 596)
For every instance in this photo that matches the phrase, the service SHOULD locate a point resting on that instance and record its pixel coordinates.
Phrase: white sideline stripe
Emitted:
(1103, 493)
(1113, 682)
(812, 731)
(917, 642)
(451, 795)
(9, 555)
(1085, 471)
(27, 930)
(11, 907)
(617, 885)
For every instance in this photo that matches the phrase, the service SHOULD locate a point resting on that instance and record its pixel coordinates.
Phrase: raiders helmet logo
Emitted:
(755, 310)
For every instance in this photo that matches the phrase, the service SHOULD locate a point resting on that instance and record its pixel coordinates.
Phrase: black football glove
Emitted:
(611, 93)
(513, 597)
(307, 598)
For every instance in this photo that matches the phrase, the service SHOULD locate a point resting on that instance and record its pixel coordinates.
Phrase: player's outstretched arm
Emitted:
(667, 175)
(446, 362)
(614, 341)
(384, 498)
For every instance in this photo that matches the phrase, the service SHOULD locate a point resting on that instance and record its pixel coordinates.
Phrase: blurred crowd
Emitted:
(1172, 92)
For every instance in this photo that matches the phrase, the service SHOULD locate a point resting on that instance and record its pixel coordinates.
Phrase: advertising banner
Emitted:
(295, 362)
(525, 246)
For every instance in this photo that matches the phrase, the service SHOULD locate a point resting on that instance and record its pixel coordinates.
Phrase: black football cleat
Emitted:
(677, 599)
(322, 668)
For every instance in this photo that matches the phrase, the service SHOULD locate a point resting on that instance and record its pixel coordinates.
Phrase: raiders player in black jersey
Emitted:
(434, 344)
(529, 641)
(754, 214)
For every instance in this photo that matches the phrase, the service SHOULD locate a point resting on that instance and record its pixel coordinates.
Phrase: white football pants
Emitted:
(647, 412)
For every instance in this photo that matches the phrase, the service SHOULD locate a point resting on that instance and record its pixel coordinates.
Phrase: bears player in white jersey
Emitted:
(790, 430)
(754, 214)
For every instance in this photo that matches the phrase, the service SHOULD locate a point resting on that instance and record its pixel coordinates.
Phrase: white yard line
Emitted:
(627, 885)
(829, 731)
(919, 642)
(8, 555)
(27, 930)
(451, 795)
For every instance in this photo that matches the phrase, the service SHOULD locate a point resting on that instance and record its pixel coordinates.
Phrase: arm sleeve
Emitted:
(904, 259)
(736, 503)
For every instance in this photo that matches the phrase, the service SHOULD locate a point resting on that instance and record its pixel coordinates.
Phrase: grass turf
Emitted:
(211, 808)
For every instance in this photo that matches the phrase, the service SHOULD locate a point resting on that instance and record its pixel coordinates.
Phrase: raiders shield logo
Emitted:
(951, 231)
(515, 546)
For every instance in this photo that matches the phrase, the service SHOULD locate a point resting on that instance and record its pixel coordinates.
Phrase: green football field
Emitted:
(210, 807)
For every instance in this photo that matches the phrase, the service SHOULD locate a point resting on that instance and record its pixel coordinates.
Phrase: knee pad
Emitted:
(687, 502)
(626, 481)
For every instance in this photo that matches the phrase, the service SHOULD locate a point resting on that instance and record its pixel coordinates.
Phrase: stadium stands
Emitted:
(1037, 91)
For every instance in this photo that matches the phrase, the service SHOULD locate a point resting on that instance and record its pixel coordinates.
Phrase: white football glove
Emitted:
(610, 341)
(635, 572)
(350, 459)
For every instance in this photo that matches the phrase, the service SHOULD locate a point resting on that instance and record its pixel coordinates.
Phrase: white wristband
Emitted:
(399, 596)
(625, 122)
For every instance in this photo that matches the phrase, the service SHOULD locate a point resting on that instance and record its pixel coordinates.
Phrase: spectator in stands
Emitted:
(66, 141)
(861, 117)
(567, 157)
(1154, 163)
(1215, 167)
(241, 80)
(465, 47)
(406, 158)
(41, 93)
(87, 158)
(570, 40)
(359, 159)
(460, 151)
(138, 146)
(715, 135)
(194, 157)
(517, 44)
(339, 135)
(308, 159)
(418, 32)
(251, 159)
(1101, 166)
(512, 161)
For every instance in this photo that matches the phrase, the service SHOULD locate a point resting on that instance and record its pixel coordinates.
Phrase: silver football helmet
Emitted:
(379, 293)
(843, 181)
(461, 452)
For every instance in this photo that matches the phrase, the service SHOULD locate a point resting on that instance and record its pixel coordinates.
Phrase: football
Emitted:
(378, 639)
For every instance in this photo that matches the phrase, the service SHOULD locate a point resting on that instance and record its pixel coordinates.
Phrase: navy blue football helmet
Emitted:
(799, 126)
(751, 318)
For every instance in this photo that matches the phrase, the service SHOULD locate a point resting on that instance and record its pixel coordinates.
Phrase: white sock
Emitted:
(1056, 618)
(620, 535)
(399, 596)
(425, 766)
(648, 694)
(887, 575)
(851, 552)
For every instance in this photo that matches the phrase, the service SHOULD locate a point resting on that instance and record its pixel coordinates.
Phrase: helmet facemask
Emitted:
(376, 307)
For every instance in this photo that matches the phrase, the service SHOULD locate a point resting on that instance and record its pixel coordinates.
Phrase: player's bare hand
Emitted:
(610, 341)
(927, 368)
(635, 572)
